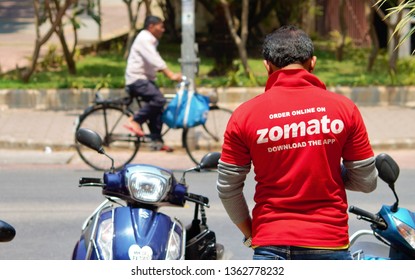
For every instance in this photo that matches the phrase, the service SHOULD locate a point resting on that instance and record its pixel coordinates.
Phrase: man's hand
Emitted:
(177, 77)
(172, 76)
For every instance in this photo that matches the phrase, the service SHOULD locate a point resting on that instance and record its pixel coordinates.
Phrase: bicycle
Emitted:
(108, 116)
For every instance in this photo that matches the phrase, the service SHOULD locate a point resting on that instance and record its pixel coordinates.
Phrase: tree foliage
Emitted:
(404, 8)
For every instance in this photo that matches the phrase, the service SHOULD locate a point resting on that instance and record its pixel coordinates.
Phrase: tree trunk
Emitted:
(343, 31)
(394, 51)
(132, 19)
(220, 40)
(147, 3)
(40, 41)
(28, 72)
(374, 39)
(169, 13)
(67, 54)
(393, 59)
(240, 41)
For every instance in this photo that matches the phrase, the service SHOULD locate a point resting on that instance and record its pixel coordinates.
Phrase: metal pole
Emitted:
(100, 22)
(189, 61)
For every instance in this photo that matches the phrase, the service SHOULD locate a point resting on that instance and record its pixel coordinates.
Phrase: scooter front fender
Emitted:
(126, 233)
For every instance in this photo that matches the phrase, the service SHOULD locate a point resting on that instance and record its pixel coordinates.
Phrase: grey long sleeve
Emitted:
(361, 175)
(230, 185)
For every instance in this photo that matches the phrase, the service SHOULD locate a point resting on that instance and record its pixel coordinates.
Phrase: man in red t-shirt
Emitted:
(307, 146)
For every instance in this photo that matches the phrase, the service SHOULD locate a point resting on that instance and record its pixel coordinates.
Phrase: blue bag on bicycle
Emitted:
(186, 109)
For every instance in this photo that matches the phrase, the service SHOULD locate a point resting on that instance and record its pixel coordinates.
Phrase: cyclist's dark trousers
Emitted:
(152, 108)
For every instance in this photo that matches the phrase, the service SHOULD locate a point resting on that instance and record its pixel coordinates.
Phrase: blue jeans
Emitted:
(299, 253)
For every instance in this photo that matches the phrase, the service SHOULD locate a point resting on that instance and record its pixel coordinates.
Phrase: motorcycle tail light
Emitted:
(407, 232)
(104, 238)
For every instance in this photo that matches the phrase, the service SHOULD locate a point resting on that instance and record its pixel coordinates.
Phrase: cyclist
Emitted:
(143, 63)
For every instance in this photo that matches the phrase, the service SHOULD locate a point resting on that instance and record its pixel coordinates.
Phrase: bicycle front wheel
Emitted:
(118, 142)
(202, 139)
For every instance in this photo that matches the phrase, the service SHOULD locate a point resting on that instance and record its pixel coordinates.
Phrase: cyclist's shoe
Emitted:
(135, 129)
(160, 146)
(166, 148)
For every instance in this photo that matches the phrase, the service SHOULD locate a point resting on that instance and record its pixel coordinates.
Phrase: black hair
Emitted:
(151, 20)
(287, 45)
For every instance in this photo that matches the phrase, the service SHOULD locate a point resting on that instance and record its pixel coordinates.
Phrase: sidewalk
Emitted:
(29, 135)
(47, 137)
(389, 127)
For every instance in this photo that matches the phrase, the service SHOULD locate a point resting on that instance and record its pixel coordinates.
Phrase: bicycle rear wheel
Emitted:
(202, 139)
(118, 142)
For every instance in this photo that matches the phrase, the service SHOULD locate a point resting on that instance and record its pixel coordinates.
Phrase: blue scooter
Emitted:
(392, 234)
(128, 225)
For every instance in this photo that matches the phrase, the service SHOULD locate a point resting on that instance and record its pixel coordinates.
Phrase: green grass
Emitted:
(353, 70)
(106, 69)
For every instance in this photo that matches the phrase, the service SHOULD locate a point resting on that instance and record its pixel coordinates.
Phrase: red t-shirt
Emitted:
(295, 135)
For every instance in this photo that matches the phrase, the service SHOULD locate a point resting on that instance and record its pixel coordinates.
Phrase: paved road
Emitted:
(48, 212)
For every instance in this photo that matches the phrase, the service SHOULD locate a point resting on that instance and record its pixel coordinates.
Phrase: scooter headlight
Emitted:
(407, 232)
(148, 184)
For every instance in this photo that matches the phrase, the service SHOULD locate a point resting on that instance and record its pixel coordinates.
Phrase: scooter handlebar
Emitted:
(197, 198)
(90, 182)
(368, 216)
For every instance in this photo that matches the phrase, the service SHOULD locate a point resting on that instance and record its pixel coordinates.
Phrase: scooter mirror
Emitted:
(210, 160)
(90, 138)
(7, 232)
(387, 168)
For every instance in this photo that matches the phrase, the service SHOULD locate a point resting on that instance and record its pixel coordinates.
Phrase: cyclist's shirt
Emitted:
(144, 61)
(295, 135)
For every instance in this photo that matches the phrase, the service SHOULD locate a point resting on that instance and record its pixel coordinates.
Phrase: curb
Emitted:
(391, 144)
(404, 144)
(69, 99)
